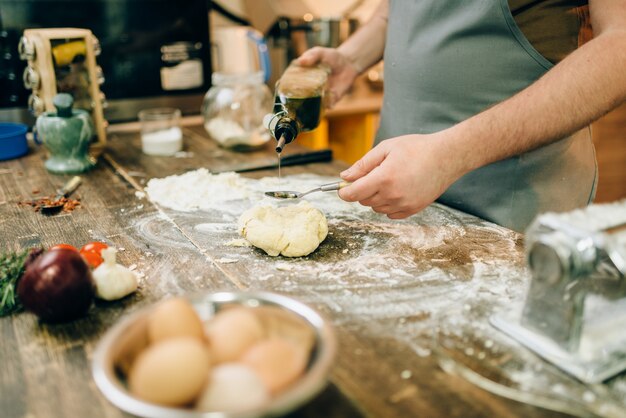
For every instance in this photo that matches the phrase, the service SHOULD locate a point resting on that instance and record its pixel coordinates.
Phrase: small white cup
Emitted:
(160, 131)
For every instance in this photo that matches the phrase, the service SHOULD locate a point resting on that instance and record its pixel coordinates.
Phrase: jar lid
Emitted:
(63, 103)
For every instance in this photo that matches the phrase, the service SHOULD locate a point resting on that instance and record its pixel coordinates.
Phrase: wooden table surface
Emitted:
(384, 366)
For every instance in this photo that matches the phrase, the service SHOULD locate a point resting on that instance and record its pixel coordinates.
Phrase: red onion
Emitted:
(57, 286)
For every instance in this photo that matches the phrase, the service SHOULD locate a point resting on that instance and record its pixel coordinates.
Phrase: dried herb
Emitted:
(11, 269)
(68, 204)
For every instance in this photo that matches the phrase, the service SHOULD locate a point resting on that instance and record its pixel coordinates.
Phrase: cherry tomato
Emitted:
(92, 253)
(93, 259)
(94, 246)
(66, 246)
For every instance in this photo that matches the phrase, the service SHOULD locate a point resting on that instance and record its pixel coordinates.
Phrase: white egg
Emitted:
(232, 387)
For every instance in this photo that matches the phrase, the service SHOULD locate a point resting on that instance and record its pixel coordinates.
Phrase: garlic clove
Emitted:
(113, 281)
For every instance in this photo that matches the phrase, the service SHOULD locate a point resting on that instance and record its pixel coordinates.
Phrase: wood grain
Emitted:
(46, 367)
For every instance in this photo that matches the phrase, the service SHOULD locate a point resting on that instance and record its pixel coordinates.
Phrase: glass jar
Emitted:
(160, 131)
(233, 110)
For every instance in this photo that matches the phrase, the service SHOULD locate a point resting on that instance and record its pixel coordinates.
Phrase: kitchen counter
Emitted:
(385, 285)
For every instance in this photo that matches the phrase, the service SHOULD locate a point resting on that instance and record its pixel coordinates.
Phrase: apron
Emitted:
(446, 61)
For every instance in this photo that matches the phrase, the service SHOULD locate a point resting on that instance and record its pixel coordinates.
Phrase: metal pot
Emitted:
(330, 32)
(289, 38)
(326, 32)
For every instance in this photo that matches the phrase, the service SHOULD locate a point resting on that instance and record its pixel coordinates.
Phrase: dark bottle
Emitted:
(298, 103)
(306, 111)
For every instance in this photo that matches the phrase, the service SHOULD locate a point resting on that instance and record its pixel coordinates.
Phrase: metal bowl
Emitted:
(129, 336)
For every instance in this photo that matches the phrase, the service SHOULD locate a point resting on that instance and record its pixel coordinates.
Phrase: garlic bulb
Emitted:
(113, 281)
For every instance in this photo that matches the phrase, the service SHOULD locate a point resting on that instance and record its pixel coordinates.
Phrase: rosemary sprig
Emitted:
(11, 269)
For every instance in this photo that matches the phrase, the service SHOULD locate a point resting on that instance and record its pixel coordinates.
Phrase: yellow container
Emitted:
(64, 54)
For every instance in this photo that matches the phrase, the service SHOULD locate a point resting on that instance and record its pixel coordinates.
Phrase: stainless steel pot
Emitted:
(289, 38)
(330, 32)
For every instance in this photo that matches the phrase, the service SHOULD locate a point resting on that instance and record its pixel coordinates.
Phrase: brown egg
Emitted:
(172, 372)
(174, 318)
(277, 361)
(231, 332)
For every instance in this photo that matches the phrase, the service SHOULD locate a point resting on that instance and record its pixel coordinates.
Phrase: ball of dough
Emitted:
(293, 231)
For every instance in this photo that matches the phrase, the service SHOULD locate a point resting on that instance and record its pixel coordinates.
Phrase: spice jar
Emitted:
(234, 108)
(66, 134)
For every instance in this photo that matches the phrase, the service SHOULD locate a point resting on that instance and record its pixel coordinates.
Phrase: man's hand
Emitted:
(403, 175)
(343, 72)
(356, 54)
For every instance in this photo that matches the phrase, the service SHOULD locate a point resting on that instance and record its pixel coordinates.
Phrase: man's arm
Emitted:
(359, 52)
(365, 48)
(403, 175)
(584, 86)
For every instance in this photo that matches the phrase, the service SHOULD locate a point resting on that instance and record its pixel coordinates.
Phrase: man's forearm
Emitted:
(585, 85)
(365, 48)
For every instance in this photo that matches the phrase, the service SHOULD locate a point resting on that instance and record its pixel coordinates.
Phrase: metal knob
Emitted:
(26, 49)
(36, 104)
(31, 78)
(555, 256)
(548, 263)
(97, 49)
(99, 75)
(103, 100)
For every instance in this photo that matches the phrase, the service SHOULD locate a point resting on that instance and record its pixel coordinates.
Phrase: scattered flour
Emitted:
(594, 217)
(283, 266)
(225, 260)
(198, 189)
(232, 194)
(439, 272)
(238, 242)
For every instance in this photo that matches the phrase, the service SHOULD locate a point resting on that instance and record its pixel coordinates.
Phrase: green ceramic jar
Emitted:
(66, 134)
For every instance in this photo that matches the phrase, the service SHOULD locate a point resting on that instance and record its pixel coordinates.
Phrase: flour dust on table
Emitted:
(436, 260)
(198, 190)
(230, 193)
(444, 271)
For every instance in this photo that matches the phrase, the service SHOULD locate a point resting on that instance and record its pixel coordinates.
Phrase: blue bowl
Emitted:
(12, 140)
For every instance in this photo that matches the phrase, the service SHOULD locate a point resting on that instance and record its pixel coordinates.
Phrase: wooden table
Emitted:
(384, 320)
